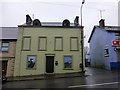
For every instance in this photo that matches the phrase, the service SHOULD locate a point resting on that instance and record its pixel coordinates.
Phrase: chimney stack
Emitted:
(28, 20)
(76, 21)
(102, 23)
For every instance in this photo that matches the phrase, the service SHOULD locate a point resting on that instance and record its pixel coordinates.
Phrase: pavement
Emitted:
(47, 76)
(88, 72)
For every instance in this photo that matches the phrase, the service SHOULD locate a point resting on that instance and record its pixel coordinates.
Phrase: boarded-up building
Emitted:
(44, 48)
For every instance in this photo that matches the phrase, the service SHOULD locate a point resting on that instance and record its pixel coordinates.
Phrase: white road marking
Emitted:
(93, 85)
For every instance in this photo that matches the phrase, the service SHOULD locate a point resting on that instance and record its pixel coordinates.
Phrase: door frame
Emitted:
(6, 67)
(53, 62)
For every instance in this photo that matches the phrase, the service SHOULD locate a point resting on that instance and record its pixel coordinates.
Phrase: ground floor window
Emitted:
(68, 62)
(106, 52)
(31, 61)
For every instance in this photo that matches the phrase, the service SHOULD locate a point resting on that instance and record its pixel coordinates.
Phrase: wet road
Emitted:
(96, 78)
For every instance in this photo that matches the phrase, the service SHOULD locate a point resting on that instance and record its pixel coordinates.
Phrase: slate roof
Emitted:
(53, 24)
(107, 28)
(8, 32)
(112, 28)
(11, 32)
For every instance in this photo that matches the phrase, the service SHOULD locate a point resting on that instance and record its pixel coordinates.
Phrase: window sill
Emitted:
(74, 50)
(58, 50)
(26, 49)
(30, 68)
(42, 50)
(68, 69)
(106, 55)
(4, 51)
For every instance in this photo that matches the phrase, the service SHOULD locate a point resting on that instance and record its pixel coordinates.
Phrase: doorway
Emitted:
(49, 64)
(4, 67)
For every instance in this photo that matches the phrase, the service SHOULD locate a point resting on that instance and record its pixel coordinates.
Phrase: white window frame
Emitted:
(5, 46)
(32, 58)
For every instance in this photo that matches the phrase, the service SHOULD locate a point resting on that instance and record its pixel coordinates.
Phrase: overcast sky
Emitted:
(12, 12)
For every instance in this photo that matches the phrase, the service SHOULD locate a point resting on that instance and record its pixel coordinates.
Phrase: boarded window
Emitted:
(74, 44)
(26, 43)
(58, 43)
(42, 43)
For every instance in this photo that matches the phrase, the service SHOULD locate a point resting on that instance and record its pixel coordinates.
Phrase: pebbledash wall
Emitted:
(48, 49)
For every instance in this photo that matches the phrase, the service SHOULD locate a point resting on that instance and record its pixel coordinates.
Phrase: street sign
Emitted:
(116, 43)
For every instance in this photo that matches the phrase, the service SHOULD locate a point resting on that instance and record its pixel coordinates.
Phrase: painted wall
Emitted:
(100, 41)
(112, 54)
(96, 48)
(50, 33)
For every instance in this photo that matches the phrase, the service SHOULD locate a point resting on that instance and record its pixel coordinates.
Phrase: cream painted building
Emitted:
(48, 48)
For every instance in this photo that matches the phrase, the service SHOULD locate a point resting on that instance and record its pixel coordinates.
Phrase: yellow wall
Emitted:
(50, 33)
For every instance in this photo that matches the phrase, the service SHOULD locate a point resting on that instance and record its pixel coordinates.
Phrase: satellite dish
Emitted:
(36, 22)
(66, 23)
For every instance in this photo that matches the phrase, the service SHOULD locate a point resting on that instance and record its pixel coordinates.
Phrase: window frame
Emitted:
(4, 46)
(24, 49)
(71, 44)
(117, 36)
(106, 52)
(71, 68)
(33, 68)
(55, 40)
(39, 43)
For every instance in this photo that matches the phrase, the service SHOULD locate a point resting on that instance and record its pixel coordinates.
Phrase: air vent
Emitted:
(66, 23)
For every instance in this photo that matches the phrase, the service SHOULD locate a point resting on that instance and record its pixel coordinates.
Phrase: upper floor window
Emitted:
(42, 44)
(26, 43)
(58, 44)
(117, 36)
(4, 46)
(74, 44)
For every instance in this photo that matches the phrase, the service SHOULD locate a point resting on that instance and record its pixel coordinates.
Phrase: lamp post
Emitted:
(81, 10)
(82, 40)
